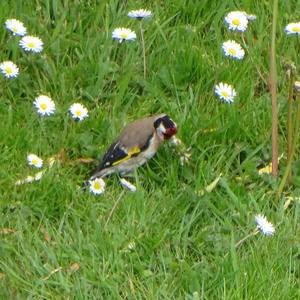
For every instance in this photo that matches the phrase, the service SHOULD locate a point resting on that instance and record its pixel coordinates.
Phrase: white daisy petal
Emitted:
(123, 34)
(35, 161)
(9, 69)
(140, 14)
(233, 50)
(97, 186)
(264, 225)
(237, 20)
(45, 105)
(31, 44)
(293, 28)
(225, 92)
(78, 111)
(127, 185)
(15, 27)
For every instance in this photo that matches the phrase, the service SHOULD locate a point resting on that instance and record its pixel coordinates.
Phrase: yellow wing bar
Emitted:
(131, 152)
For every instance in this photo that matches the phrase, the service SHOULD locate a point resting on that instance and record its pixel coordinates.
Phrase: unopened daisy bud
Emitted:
(34, 161)
(131, 245)
(15, 27)
(290, 69)
(297, 86)
(175, 141)
(251, 17)
(184, 158)
(9, 69)
(127, 185)
(264, 226)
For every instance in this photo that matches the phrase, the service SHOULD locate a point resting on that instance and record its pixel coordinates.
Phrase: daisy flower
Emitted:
(236, 20)
(293, 28)
(264, 226)
(233, 50)
(35, 161)
(122, 34)
(16, 27)
(140, 14)
(97, 186)
(78, 111)
(31, 44)
(127, 185)
(9, 69)
(45, 105)
(225, 92)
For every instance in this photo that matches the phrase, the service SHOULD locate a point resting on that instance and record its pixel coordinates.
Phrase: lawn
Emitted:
(188, 230)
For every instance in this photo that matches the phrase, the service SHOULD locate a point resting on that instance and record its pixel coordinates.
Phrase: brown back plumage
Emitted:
(137, 132)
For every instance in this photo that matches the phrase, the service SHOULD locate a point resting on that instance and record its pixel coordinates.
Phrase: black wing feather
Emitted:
(113, 154)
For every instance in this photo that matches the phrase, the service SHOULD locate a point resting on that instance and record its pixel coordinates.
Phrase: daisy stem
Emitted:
(293, 150)
(289, 123)
(256, 231)
(274, 92)
(114, 208)
(240, 242)
(144, 50)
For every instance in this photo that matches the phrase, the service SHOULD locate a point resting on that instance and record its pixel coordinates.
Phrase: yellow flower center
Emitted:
(14, 29)
(224, 94)
(8, 70)
(124, 35)
(78, 113)
(236, 22)
(232, 51)
(34, 161)
(97, 186)
(43, 106)
(31, 45)
(296, 29)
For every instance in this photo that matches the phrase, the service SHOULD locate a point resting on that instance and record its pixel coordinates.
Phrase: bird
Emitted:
(136, 144)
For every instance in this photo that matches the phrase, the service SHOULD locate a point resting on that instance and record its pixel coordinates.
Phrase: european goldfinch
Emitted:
(136, 144)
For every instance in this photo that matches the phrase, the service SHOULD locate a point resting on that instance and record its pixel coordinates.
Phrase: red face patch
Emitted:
(170, 132)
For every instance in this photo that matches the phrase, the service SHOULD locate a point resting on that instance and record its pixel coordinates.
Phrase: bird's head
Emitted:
(165, 126)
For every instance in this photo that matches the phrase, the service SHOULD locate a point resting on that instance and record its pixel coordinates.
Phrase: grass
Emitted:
(167, 240)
